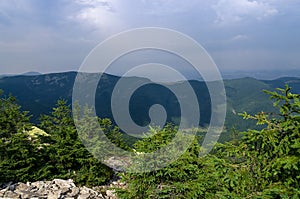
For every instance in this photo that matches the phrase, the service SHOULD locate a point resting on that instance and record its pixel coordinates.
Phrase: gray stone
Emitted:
(54, 195)
(10, 194)
(55, 189)
(64, 190)
(62, 183)
(33, 187)
(12, 187)
(110, 193)
(24, 194)
(43, 192)
(84, 190)
(2, 192)
(22, 186)
(84, 196)
(71, 182)
(74, 192)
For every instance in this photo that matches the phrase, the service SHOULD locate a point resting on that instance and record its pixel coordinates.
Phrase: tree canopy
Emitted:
(261, 163)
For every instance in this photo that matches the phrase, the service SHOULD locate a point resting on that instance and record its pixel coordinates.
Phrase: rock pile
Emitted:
(55, 189)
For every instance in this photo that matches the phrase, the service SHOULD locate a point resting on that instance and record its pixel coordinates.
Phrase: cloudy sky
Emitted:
(56, 35)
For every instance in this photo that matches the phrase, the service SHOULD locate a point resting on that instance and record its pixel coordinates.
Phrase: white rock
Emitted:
(74, 192)
(84, 196)
(110, 193)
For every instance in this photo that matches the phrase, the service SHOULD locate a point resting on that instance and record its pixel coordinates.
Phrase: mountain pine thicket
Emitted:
(58, 154)
(261, 164)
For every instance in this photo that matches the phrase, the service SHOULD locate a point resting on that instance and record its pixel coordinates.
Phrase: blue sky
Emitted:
(56, 35)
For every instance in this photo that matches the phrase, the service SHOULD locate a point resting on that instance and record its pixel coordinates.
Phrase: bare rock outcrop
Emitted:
(56, 189)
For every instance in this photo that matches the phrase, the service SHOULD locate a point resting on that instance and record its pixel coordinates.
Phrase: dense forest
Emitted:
(39, 94)
(260, 163)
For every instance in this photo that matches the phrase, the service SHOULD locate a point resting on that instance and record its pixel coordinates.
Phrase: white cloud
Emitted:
(96, 3)
(233, 11)
(164, 7)
(98, 14)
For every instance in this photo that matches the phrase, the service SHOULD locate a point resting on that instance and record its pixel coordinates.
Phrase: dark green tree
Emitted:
(263, 164)
(178, 180)
(18, 152)
(273, 153)
(68, 157)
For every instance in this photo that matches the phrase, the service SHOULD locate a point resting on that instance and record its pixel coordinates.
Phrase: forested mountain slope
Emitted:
(38, 94)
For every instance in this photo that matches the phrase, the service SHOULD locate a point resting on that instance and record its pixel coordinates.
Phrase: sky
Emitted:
(240, 35)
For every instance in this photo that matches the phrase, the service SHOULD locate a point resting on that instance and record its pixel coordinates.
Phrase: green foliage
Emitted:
(66, 156)
(113, 133)
(174, 180)
(12, 119)
(275, 150)
(19, 156)
(99, 136)
(39, 94)
(156, 138)
(56, 153)
(263, 164)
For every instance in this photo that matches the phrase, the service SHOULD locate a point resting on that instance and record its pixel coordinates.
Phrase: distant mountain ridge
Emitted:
(261, 74)
(226, 74)
(39, 93)
(30, 73)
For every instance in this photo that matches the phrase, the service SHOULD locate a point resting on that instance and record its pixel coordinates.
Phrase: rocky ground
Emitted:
(57, 189)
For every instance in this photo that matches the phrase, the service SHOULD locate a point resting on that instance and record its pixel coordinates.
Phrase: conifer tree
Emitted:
(68, 158)
(18, 153)
(263, 164)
